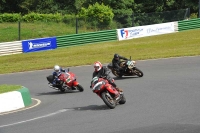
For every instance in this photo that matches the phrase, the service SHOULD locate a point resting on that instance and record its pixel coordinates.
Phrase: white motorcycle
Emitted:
(130, 69)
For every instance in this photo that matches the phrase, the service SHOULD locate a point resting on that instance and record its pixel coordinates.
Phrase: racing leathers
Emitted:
(116, 64)
(56, 75)
(104, 73)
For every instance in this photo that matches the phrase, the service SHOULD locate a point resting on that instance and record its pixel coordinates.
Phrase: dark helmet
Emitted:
(116, 56)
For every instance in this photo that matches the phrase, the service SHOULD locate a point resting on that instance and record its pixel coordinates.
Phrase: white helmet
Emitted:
(97, 66)
(56, 68)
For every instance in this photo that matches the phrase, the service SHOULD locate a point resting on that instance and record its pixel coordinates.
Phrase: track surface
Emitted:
(165, 100)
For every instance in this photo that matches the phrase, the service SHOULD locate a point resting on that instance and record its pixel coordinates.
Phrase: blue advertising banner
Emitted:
(39, 44)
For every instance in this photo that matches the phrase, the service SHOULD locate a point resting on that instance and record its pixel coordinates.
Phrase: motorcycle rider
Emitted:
(116, 64)
(101, 71)
(57, 71)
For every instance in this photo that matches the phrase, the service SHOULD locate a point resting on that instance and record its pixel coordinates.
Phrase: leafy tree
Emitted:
(10, 6)
(97, 15)
(123, 10)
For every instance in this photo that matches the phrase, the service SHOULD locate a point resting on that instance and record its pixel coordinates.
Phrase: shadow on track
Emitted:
(123, 78)
(56, 93)
(92, 107)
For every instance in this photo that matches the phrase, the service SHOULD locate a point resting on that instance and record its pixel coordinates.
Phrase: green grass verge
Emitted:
(186, 43)
(7, 88)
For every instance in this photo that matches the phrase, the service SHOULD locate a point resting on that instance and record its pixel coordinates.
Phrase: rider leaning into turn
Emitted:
(57, 71)
(103, 72)
(116, 63)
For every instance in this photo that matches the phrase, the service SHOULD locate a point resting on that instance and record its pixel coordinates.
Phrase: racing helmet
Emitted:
(56, 68)
(97, 66)
(116, 56)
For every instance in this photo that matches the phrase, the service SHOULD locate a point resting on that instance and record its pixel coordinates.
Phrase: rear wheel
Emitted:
(138, 72)
(108, 100)
(80, 88)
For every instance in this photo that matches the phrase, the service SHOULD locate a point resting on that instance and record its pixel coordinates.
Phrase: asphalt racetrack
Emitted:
(165, 100)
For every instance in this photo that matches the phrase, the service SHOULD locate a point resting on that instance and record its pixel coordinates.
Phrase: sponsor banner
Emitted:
(142, 31)
(39, 44)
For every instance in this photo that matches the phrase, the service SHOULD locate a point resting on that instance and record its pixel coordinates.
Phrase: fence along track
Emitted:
(8, 48)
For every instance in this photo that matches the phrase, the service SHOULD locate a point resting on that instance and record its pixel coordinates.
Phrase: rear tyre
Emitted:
(80, 88)
(108, 100)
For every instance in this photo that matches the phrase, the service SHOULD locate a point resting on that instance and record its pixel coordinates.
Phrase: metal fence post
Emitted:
(199, 8)
(19, 30)
(133, 20)
(76, 25)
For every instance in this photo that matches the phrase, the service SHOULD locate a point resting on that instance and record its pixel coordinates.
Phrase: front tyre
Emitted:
(80, 88)
(62, 89)
(108, 100)
(138, 72)
(123, 99)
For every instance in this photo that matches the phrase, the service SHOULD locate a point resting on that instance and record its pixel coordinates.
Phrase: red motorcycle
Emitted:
(107, 92)
(67, 82)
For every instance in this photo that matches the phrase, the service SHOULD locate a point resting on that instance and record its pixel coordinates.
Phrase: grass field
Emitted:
(10, 31)
(186, 43)
(7, 88)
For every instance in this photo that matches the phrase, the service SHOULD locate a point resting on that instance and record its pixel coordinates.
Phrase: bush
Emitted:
(10, 17)
(193, 16)
(69, 19)
(33, 17)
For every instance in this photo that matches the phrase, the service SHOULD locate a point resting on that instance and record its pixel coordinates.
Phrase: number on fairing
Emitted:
(68, 80)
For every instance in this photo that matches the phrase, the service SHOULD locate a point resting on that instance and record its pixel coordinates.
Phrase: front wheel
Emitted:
(138, 72)
(108, 100)
(80, 88)
(61, 89)
(123, 99)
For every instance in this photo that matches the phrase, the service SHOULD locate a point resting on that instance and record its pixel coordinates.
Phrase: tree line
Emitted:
(120, 9)
(74, 6)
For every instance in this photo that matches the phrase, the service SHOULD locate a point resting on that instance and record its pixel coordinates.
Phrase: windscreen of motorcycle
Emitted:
(130, 64)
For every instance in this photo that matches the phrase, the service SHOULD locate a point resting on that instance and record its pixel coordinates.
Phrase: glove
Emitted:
(113, 80)
(104, 76)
